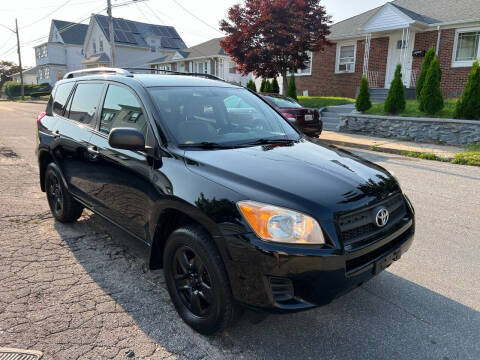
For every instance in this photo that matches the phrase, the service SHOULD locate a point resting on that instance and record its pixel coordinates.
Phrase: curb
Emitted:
(378, 148)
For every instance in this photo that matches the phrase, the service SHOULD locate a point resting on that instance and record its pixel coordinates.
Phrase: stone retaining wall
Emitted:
(448, 131)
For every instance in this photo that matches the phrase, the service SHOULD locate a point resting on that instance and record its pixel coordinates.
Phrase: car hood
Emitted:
(307, 176)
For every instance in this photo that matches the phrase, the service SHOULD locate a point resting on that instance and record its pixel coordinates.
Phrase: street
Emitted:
(81, 290)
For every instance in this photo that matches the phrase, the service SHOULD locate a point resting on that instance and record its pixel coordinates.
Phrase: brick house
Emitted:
(399, 32)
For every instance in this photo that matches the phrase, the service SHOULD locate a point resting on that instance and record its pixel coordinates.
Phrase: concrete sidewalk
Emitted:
(393, 146)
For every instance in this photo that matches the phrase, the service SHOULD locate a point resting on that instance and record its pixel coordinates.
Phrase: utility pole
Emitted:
(19, 61)
(110, 30)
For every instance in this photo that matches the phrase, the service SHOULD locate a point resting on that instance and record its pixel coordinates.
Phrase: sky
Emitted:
(196, 22)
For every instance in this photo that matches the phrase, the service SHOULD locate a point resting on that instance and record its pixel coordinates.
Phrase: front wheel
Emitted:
(62, 205)
(197, 281)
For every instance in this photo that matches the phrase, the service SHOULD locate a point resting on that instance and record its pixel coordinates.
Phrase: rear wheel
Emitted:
(62, 205)
(197, 281)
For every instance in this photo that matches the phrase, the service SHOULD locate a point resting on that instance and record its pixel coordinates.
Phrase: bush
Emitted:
(251, 85)
(13, 89)
(395, 102)
(275, 87)
(423, 72)
(262, 85)
(268, 87)
(468, 106)
(39, 93)
(431, 100)
(292, 88)
(363, 102)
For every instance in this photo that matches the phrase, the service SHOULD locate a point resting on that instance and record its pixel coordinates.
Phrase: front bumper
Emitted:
(279, 278)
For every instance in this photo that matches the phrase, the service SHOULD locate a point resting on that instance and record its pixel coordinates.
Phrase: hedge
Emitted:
(13, 89)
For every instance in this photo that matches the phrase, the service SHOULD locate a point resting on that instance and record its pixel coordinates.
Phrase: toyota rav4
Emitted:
(236, 205)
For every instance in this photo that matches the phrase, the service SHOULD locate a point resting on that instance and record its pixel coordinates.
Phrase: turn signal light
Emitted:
(40, 116)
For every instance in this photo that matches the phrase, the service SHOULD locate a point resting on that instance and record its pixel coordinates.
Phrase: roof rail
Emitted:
(99, 70)
(208, 76)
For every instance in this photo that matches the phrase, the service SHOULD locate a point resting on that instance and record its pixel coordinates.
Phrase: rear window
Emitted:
(61, 96)
(85, 102)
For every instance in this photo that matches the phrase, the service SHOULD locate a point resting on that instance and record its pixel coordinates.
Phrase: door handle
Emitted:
(93, 150)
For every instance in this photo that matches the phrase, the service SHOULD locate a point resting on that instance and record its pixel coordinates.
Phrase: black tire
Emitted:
(62, 205)
(204, 301)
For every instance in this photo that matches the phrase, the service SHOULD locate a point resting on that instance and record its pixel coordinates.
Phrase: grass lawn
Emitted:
(412, 110)
(471, 156)
(322, 101)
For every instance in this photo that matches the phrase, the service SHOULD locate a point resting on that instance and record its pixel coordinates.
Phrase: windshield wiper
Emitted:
(264, 141)
(205, 145)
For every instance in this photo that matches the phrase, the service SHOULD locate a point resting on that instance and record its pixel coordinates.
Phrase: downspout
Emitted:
(439, 32)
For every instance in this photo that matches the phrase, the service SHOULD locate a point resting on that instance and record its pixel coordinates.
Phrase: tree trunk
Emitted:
(285, 82)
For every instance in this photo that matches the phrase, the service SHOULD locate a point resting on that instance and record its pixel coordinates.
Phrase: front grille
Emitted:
(360, 224)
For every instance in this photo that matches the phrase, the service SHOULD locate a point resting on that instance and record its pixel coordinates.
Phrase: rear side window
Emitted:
(84, 104)
(61, 96)
(122, 109)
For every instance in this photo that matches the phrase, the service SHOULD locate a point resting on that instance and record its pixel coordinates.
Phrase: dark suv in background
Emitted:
(235, 204)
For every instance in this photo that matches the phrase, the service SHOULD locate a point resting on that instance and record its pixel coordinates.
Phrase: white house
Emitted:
(206, 58)
(136, 43)
(61, 53)
(29, 76)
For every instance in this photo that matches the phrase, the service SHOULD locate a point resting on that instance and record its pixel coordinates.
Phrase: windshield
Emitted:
(283, 102)
(226, 116)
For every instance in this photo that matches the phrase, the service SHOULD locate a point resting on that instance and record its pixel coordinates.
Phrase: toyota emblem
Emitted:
(382, 217)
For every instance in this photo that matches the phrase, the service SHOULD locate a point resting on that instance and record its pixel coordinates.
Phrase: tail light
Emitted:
(40, 116)
(289, 116)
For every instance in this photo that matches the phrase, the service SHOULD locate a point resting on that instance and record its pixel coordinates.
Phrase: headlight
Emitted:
(272, 223)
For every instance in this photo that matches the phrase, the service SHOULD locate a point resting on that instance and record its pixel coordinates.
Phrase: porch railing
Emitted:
(414, 78)
(372, 77)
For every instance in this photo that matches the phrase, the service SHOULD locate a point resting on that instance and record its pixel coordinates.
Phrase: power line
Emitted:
(48, 15)
(143, 14)
(155, 14)
(196, 17)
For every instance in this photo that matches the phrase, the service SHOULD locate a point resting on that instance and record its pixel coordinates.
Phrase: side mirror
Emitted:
(127, 139)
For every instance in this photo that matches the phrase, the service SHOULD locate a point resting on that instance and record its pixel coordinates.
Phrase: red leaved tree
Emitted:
(273, 37)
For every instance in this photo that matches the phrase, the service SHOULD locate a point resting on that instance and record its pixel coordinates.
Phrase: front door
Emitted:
(398, 46)
(123, 191)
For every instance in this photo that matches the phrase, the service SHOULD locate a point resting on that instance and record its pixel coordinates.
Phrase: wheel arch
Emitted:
(44, 158)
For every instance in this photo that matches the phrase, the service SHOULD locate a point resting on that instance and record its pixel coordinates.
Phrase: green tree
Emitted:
(468, 106)
(275, 87)
(363, 102)
(431, 98)
(251, 85)
(292, 88)
(268, 86)
(262, 85)
(395, 102)
(7, 68)
(423, 72)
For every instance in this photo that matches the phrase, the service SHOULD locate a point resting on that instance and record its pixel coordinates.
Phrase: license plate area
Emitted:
(308, 117)
(386, 261)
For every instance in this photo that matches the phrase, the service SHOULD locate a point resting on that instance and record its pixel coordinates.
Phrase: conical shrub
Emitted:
(268, 87)
(363, 102)
(275, 87)
(262, 85)
(251, 85)
(423, 72)
(431, 96)
(292, 88)
(468, 106)
(395, 102)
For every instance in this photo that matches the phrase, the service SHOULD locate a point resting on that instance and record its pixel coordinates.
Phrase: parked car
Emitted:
(236, 205)
(307, 120)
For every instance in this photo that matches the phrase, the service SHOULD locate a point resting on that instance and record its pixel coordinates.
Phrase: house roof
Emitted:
(31, 71)
(133, 33)
(425, 11)
(71, 33)
(206, 49)
(101, 57)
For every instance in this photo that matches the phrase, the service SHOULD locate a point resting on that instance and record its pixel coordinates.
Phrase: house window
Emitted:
(44, 51)
(401, 44)
(94, 46)
(100, 45)
(466, 48)
(231, 68)
(201, 67)
(307, 70)
(346, 57)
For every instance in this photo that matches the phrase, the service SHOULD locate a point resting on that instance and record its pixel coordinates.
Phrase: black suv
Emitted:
(238, 207)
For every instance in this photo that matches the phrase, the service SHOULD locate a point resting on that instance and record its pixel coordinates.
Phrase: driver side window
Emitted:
(122, 109)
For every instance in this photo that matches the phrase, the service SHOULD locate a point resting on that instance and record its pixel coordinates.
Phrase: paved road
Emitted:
(81, 290)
